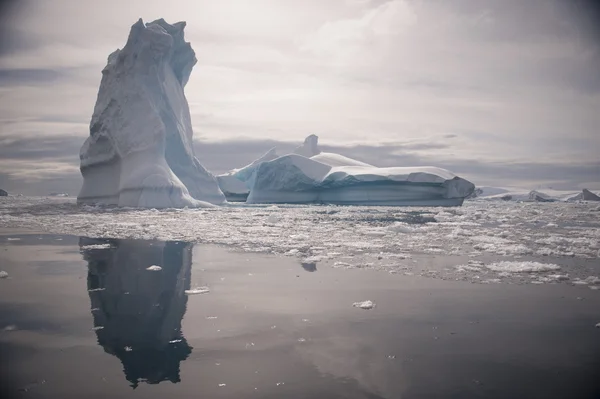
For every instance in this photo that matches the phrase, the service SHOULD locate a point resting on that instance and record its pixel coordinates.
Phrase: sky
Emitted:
(501, 92)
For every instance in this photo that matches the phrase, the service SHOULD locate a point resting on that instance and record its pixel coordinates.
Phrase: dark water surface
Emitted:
(91, 322)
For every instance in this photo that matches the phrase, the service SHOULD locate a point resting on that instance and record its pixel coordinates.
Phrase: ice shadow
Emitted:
(137, 312)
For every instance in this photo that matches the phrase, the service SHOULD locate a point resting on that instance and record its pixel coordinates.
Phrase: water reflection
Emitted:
(137, 312)
(309, 267)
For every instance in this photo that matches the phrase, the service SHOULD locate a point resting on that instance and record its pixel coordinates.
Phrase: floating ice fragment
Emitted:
(10, 327)
(598, 325)
(211, 317)
(301, 339)
(96, 289)
(222, 385)
(3, 274)
(364, 305)
(273, 218)
(154, 268)
(559, 277)
(96, 246)
(522, 267)
(128, 349)
(198, 290)
(13, 239)
(280, 383)
(97, 328)
(342, 264)
(175, 341)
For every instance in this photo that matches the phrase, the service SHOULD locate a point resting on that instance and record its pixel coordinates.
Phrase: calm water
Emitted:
(83, 317)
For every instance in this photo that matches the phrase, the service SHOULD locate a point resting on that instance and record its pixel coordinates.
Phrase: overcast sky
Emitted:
(503, 92)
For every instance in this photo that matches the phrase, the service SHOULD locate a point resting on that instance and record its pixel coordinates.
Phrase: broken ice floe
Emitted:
(522, 267)
(96, 246)
(198, 290)
(3, 274)
(154, 268)
(364, 305)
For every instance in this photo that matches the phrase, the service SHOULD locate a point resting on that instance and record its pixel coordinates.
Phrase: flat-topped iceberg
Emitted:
(538, 195)
(311, 176)
(139, 152)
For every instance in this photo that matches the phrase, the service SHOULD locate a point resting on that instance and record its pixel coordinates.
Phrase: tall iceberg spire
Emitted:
(139, 152)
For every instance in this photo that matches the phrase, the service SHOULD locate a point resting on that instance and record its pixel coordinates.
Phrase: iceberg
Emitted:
(585, 195)
(538, 195)
(234, 183)
(311, 176)
(139, 152)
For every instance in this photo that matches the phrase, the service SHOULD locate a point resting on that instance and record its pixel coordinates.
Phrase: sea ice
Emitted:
(154, 268)
(198, 290)
(96, 246)
(3, 274)
(364, 305)
(522, 267)
(139, 152)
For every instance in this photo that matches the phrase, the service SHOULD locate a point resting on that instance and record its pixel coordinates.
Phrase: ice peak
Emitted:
(158, 39)
(310, 147)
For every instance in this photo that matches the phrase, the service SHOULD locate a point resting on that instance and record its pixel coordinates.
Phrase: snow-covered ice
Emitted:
(95, 246)
(522, 267)
(364, 305)
(235, 183)
(139, 152)
(3, 274)
(197, 291)
(311, 176)
(154, 268)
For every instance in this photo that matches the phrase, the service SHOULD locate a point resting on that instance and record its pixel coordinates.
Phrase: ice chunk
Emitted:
(96, 246)
(364, 304)
(139, 152)
(3, 274)
(198, 290)
(154, 268)
(522, 267)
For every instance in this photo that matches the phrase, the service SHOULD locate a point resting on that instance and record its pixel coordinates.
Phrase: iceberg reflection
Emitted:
(137, 312)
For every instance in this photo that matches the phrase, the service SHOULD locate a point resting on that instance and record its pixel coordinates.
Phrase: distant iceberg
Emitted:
(538, 195)
(311, 176)
(139, 152)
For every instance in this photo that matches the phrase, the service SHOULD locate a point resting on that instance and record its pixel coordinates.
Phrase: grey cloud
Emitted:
(16, 77)
(58, 148)
(222, 156)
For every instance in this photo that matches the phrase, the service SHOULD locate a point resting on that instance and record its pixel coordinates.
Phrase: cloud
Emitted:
(456, 83)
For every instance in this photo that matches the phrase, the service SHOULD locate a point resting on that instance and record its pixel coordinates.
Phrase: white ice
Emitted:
(139, 152)
(197, 291)
(3, 274)
(154, 268)
(311, 176)
(522, 267)
(96, 246)
(364, 305)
